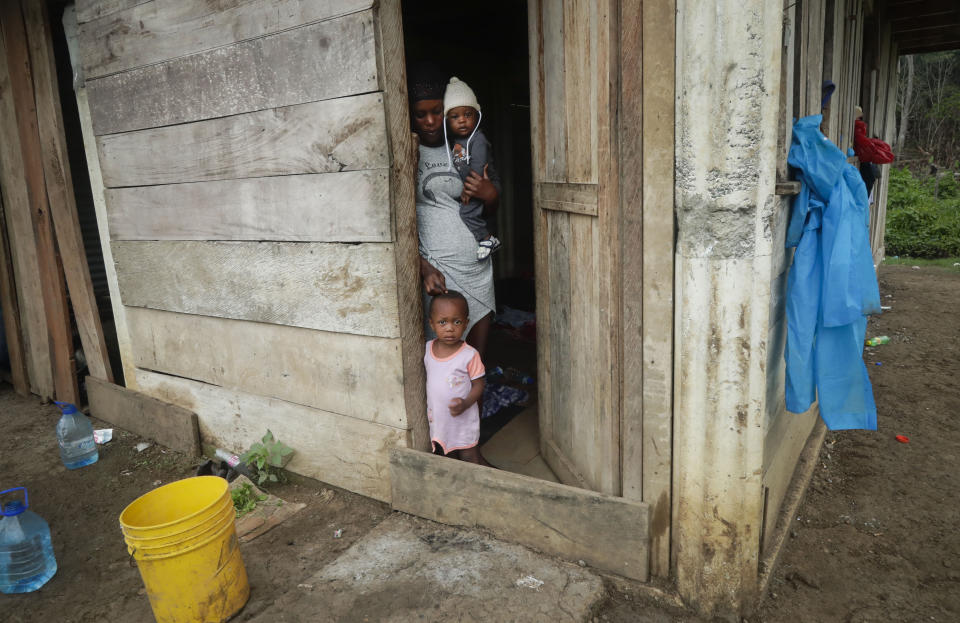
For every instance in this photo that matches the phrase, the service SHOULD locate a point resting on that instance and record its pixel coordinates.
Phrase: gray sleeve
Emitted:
(481, 153)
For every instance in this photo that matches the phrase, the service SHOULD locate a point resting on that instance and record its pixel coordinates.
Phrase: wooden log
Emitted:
(320, 137)
(353, 375)
(51, 283)
(160, 30)
(321, 61)
(606, 532)
(403, 157)
(343, 451)
(59, 184)
(353, 206)
(36, 343)
(161, 421)
(19, 377)
(331, 287)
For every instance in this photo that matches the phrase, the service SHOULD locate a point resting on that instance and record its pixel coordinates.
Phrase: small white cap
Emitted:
(458, 94)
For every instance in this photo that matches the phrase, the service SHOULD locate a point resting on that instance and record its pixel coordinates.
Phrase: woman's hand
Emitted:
(434, 282)
(480, 188)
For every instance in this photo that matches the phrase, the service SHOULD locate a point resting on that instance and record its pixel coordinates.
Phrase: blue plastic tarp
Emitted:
(832, 284)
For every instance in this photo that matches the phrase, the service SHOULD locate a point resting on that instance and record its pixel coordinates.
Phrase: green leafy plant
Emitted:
(245, 499)
(267, 456)
(923, 216)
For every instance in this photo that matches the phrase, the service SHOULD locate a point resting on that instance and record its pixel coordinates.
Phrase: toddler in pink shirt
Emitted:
(454, 380)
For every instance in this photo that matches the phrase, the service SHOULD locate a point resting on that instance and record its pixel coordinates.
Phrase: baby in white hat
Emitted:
(470, 151)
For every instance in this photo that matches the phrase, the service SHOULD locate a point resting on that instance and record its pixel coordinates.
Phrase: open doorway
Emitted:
(486, 46)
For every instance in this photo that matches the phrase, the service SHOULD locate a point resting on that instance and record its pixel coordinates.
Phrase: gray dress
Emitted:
(445, 241)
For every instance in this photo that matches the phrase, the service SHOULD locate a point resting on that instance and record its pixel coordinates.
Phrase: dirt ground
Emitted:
(875, 539)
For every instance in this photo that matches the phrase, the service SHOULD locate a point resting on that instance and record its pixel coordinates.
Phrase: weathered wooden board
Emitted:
(161, 421)
(89, 10)
(606, 532)
(403, 155)
(321, 61)
(353, 206)
(52, 287)
(60, 192)
(343, 451)
(319, 137)
(353, 375)
(659, 60)
(22, 240)
(575, 198)
(346, 288)
(551, 106)
(160, 30)
(19, 376)
(580, 40)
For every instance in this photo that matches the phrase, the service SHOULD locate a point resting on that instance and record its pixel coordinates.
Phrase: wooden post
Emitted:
(59, 184)
(54, 296)
(11, 313)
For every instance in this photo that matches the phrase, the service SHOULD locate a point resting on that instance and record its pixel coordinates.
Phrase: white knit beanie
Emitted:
(459, 94)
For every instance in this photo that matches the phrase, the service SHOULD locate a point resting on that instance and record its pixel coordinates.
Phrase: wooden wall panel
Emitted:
(321, 137)
(353, 375)
(89, 10)
(345, 288)
(353, 206)
(329, 59)
(343, 451)
(163, 29)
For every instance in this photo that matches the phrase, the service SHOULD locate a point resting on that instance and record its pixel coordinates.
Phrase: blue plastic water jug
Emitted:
(75, 436)
(26, 552)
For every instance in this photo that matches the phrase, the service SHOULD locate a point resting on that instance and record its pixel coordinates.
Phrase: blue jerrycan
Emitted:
(26, 552)
(75, 436)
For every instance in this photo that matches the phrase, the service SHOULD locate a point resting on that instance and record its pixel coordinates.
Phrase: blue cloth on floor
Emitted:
(832, 285)
(496, 397)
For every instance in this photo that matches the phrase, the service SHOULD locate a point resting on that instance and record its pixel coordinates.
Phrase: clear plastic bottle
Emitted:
(75, 436)
(26, 552)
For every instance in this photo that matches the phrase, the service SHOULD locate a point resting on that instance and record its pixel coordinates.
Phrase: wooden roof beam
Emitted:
(911, 9)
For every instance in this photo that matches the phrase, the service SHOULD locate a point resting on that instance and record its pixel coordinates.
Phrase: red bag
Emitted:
(869, 149)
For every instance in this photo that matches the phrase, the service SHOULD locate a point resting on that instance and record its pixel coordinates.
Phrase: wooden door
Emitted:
(573, 81)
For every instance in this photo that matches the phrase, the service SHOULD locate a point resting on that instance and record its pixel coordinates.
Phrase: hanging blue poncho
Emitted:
(832, 285)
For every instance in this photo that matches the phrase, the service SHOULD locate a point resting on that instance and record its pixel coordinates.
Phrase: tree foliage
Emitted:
(928, 109)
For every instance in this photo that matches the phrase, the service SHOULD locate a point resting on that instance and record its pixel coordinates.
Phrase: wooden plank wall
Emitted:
(254, 157)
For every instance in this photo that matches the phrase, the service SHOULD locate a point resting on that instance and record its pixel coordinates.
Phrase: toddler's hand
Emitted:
(457, 407)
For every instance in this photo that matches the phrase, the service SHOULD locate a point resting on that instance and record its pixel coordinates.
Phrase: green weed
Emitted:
(268, 457)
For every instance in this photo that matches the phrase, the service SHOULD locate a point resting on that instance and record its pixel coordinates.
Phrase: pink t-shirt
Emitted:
(450, 378)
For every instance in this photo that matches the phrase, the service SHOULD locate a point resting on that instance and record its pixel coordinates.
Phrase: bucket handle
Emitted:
(26, 503)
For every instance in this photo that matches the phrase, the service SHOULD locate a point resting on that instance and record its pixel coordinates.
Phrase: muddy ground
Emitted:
(875, 539)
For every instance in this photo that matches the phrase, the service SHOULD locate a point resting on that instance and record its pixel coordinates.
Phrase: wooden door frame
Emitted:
(641, 135)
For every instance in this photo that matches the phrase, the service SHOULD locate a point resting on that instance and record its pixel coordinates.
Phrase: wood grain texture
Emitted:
(580, 39)
(321, 61)
(320, 137)
(89, 10)
(19, 376)
(352, 375)
(552, 101)
(52, 287)
(22, 241)
(163, 29)
(575, 198)
(342, 451)
(606, 532)
(403, 157)
(353, 206)
(60, 192)
(344, 288)
(659, 53)
(161, 421)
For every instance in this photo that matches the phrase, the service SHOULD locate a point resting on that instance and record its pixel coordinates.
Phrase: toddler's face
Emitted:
(448, 319)
(461, 121)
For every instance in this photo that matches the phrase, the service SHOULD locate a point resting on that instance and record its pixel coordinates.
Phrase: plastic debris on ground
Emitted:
(902, 438)
(338, 533)
(878, 340)
(528, 581)
(497, 397)
(143, 445)
(103, 435)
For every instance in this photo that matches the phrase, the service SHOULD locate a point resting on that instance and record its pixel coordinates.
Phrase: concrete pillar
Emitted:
(728, 82)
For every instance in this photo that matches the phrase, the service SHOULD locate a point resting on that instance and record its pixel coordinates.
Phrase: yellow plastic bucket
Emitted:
(183, 538)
